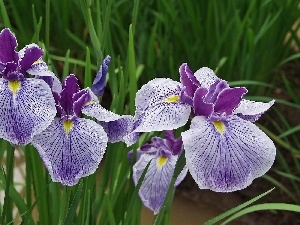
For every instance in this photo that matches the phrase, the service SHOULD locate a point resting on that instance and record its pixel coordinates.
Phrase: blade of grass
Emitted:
(236, 209)
(264, 206)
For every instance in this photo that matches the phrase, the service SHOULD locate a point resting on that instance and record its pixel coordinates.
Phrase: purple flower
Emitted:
(161, 105)
(118, 128)
(224, 150)
(72, 147)
(27, 106)
(163, 154)
(100, 79)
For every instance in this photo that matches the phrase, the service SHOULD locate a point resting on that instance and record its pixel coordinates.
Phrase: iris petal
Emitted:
(27, 112)
(251, 110)
(206, 77)
(230, 161)
(101, 114)
(154, 111)
(68, 157)
(156, 181)
(8, 43)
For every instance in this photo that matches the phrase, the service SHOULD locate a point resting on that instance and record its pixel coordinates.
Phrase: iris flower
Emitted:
(224, 150)
(161, 105)
(118, 128)
(163, 154)
(72, 147)
(27, 106)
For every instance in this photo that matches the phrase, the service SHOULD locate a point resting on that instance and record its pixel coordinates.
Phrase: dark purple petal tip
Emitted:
(100, 79)
(8, 43)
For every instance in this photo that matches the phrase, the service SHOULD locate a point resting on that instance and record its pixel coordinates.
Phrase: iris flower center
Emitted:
(68, 125)
(14, 86)
(220, 127)
(161, 161)
(172, 98)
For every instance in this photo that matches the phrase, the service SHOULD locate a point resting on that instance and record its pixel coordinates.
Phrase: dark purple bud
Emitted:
(100, 79)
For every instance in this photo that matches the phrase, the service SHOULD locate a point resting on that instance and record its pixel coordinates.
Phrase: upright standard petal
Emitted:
(71, 152)
(206, 77)
(226, 157)
(100, 79)
(158, 106)
(157, 179)
(26, 108)
(8, 43)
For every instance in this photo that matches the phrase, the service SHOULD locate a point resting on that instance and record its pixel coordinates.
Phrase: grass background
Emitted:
(249, 43)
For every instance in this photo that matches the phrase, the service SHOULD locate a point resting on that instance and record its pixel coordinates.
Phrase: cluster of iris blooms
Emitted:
(224, 150)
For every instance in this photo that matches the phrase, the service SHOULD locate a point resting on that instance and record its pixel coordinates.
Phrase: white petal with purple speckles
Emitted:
(27, 112)
(101, 114)
(154, 112)
(156, 181)
(251, 110)
(229, 161)
(206, 77)
(70, 157)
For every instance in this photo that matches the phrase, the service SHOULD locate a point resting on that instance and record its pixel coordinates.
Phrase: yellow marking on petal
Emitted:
(90, 102)
(14, 86)
(68, 125)
(220, 126)
(161, 161)
(37, 61)
(173, 98)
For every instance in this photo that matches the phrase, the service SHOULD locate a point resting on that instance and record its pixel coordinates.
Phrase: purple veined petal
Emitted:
(158, 106)
(100, 79)
(214, 90)
(131, 138)
(118, 129)
(79, 100)
(163, 116)
(188, 80)
(206, 77)
(144, 149)
(177, 146)
(8, 43)
(156, 181)
(41, 71)
(68, 157)
(155, 92)
(251, 110)
(11, 72)
(30, 54)
(202, 108)
(101, 114)
(70, 87)
(229, 99)
(25, 111)
(230, 161)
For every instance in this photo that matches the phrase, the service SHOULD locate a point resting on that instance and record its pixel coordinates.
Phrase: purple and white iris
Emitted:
(160, 105)
(163, 154)
(27, 106)
(224, 150)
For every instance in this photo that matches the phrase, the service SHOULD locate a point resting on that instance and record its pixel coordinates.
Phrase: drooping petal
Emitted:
(201, 108)
(101, 114)
(251, 110)
(188, 80)
(206, 77)
(31, 54)
(118, 130)
(71, 155)
(41, 71)
(229, 99)
(8, 43)
(158, 106)
(156, 181)
(229, 161)
(27, 107)
(100, 79)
